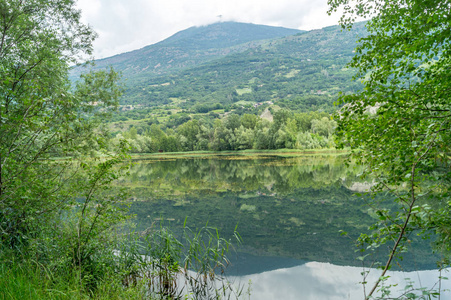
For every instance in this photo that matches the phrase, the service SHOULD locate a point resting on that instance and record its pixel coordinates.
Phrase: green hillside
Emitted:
(228, 63)
(303, 71)
(190, 47)
(206, 101)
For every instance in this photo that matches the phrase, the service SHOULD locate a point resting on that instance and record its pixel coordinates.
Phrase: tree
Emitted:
(244, 138)
(249, 121)
(232, 122)
(43, 116)
(398, 125)
(324, 126)
(187, 133)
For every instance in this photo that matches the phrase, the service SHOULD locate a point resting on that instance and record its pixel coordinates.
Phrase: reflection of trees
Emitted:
(291, 207)
(276, 175)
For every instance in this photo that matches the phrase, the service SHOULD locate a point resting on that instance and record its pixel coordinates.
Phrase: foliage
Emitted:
(29, 280)
(41, 116)
(192, 264)
(289, 130)
(59, 220)
(55, 165)
(399, 123)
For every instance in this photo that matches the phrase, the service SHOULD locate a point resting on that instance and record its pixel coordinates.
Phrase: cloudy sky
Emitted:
(125, 25)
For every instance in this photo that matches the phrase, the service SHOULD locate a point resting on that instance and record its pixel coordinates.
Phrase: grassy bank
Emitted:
(28, 280)
(150, 264)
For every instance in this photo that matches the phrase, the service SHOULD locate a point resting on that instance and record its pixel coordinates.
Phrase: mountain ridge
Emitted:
(303, 71)
(190, 47)
(308, 64)
(227, 34)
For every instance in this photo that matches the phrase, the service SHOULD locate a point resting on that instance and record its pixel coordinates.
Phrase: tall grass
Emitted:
(190, 266)
(154, 264)
(27, 280)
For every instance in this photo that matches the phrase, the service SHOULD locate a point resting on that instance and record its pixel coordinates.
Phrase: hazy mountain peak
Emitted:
(190, 47)
(225, 34)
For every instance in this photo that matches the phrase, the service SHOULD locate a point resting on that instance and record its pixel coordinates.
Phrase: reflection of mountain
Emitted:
(282, 207)
(313, 280)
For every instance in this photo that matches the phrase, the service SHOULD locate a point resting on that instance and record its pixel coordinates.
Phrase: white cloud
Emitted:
(125, 25)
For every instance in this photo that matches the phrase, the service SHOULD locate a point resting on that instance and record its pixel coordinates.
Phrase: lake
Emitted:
(289, 212)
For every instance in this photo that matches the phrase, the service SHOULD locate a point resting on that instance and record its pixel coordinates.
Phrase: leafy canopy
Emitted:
(399, 124)
(41, 115)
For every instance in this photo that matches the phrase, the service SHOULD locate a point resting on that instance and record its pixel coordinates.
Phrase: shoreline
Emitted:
(244, 153)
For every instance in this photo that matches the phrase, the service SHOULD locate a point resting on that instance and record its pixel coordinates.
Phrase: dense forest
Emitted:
(234, 132)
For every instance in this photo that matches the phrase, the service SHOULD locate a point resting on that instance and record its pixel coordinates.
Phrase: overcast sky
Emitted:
(125, 25)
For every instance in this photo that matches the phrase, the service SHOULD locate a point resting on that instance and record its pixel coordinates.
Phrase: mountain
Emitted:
(226, 66)
(224, 35)
(191, 47)
(304, 71)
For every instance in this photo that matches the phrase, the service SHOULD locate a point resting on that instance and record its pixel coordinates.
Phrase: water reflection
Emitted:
(175, 177)
(287, 210)
(318, 281)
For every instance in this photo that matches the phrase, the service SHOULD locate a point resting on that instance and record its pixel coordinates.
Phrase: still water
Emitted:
(288, 211)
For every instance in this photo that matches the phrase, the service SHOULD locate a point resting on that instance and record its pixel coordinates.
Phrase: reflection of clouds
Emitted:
(338, 280)
(316, 280)
(361, 187)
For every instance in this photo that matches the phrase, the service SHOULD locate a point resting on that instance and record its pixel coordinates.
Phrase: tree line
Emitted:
(287, 130)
